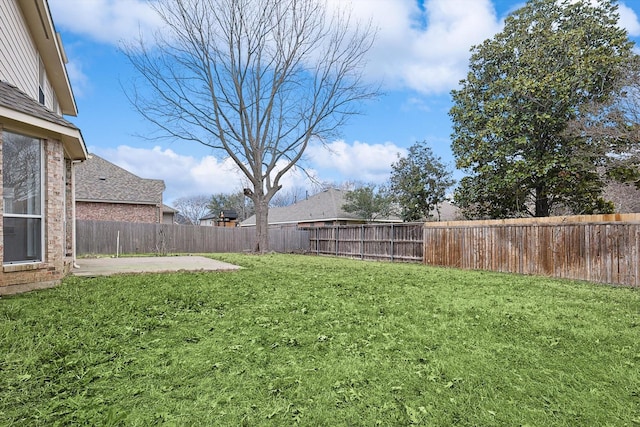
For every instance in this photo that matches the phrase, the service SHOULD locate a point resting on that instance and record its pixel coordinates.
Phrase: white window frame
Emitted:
(40, 216)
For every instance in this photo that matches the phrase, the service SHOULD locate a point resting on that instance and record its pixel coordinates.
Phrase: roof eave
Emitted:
(71, 137)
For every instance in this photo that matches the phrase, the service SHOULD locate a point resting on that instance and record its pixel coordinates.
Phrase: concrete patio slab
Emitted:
(108, 266)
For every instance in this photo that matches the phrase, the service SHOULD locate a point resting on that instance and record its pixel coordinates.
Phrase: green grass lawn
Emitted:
(321, 342)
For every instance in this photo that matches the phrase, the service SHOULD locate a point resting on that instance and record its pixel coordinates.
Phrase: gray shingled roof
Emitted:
(448, 212)
(324, 206)
(327, 206)
(98, 180)
(14, 99)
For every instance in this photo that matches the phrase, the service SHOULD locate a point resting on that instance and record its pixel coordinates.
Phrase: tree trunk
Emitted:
(542, 202)
(262, 223)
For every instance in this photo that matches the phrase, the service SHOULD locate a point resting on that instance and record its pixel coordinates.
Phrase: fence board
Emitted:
(101, 237)
(598, 248)
(595, 248)
(391, 242)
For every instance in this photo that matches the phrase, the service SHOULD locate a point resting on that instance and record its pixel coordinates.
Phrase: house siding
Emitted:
(18, 53)
(19, 67)
(50, 100)
(100, 211)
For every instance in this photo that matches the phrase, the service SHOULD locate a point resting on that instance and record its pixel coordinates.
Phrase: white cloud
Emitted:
(185, 175)
(370, 163)
(107, 21)
(78, 78)
(425, 50)
(629, 20)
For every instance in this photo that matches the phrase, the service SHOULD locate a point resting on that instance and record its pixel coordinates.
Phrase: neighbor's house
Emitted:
(39, 149)
(325, 209)
(106, 192)
(169, 214)
(320, 210)
(209, 220)
(225, 218)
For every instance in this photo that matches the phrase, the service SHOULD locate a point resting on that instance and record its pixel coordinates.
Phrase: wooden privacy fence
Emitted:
(391, 242)
(108, 238)
(597, 248)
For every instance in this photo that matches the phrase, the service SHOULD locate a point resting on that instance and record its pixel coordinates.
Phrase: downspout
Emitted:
(73, 211)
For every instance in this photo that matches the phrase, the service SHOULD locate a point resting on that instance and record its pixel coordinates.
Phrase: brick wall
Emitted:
(70, 208)
(57, 261)
(96, 211)
(1, 210)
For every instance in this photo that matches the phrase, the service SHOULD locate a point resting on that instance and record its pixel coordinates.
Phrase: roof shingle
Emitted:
(324, 206)
(98, 180)
(14, 99)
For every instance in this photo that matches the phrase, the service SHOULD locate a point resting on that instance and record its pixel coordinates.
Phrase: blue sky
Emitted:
(420, 54)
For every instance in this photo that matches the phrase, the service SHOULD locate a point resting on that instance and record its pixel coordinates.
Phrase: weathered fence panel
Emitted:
(108, 238)
(597, 248)
(391, 242)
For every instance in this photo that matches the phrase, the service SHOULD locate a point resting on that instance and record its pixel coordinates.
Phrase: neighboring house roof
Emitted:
(229, 214)
(168, 209)
(324, 206)
(98, 180)
(208, 217)
(327, 206)
(19, 108)
(448, 212)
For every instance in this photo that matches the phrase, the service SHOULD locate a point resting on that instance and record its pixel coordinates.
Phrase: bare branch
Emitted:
(257, 79)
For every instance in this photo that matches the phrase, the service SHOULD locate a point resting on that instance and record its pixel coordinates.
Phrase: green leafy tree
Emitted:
(511, 113)
(234, 201)
(420, 182)
(369, 202)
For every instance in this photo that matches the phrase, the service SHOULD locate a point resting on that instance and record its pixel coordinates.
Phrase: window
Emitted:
(41, 75)
(23, 198)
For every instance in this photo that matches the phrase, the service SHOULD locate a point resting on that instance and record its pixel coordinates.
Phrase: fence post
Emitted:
(392, 248)
(362, 241)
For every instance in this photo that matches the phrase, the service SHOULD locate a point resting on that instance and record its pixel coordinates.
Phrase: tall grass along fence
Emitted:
(109, 238)
(597, 248)
(391, 242)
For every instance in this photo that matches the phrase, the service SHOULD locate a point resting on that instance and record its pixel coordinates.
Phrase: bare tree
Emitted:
(192, 208)
(615, 122)
(258, 79)
(625, 197)
(289, 197)
(343, 185)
